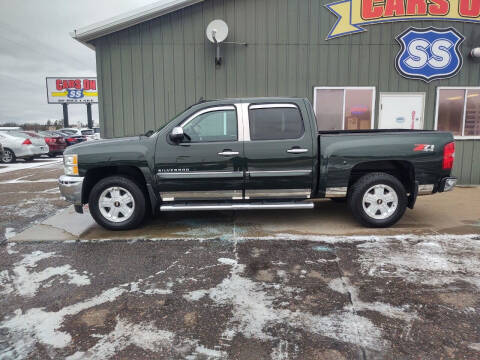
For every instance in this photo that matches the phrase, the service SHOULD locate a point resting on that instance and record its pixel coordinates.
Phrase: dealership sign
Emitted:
(429, 54)
(72, 90)
(354, 14)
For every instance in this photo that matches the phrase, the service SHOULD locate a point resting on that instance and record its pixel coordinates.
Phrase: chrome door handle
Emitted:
(228, 153)
(297, 151)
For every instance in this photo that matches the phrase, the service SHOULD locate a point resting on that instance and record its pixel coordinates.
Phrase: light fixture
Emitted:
(475, 52)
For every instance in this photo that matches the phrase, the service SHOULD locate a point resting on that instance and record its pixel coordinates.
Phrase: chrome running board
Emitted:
(259, 206)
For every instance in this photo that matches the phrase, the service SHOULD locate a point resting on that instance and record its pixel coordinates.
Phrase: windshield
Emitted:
(71, 132)
(47, 133)
(175, 117)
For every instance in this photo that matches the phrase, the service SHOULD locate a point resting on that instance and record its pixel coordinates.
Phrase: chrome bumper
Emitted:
(71, 188)
(447, 184)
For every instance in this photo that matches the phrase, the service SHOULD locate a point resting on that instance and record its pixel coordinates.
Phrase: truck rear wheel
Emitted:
(117, 203)
(377, 200)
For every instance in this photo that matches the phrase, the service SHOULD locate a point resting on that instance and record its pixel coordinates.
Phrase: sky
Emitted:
(35, 43)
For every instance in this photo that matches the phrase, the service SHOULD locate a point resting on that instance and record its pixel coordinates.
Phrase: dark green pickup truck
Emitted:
(260, 153)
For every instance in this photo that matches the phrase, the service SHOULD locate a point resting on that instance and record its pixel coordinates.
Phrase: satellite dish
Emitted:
(217, 31)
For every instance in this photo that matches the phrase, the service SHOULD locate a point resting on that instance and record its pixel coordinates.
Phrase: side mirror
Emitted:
(149, 133)
(177, 134)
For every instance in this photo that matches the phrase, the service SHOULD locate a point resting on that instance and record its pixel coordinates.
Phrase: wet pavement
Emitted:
(236, 285)
(28, 194)
(341, 298)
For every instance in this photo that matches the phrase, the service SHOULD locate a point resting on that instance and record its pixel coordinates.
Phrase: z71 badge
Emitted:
(429, 54)
(424, 148)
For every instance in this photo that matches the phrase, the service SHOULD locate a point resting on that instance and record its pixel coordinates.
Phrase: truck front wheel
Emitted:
(117, 203)
(377, 200)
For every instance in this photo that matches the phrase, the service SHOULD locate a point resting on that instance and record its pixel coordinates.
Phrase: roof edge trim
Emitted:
(129, 19)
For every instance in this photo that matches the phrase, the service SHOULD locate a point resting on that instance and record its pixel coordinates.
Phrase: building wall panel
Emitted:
(152, 71)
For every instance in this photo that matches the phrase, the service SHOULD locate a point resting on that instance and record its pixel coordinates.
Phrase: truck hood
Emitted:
(101, 145)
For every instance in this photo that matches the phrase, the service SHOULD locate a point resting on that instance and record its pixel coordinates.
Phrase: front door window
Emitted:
(213, 126)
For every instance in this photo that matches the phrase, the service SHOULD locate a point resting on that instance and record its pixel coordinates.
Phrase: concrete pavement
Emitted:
(456, 212)
(28, 194)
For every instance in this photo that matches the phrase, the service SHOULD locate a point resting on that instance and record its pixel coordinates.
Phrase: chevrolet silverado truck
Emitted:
(258, 153)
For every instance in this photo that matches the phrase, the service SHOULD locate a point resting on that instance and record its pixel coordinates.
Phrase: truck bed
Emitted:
(374, 131)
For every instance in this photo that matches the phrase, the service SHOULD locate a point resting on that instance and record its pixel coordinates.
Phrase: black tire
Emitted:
(31, 158)
(138, 195)
(360, 188)
(51, 155)
(12, 158)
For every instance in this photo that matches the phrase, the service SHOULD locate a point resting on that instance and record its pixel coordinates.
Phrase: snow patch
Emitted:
(145, 336)
(226, 261)
(25, 329)
(474, 346)
(9, 233)
(432, 260)
(343, 286)
(254, 312)
(209, 353)
(10, 247)
(195, 295)
(6, 286)
(26, 281)
(30, 165)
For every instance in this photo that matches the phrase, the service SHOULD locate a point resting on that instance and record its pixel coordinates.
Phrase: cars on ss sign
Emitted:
(20, 145)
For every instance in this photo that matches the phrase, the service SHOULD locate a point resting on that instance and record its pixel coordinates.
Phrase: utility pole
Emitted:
(65, 115)
(89, 116)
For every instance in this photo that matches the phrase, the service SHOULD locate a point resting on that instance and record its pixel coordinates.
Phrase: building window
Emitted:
(458, 111)
(349, 108)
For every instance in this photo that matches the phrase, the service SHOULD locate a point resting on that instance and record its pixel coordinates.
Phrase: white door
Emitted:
(401, 111)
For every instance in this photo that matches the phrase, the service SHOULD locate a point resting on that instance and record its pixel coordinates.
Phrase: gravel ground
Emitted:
(341, 298)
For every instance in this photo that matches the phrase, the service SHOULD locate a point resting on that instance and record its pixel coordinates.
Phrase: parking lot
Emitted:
(310, 284)
(28, 194)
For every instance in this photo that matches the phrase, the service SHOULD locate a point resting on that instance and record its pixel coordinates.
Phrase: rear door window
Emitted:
(275, 122)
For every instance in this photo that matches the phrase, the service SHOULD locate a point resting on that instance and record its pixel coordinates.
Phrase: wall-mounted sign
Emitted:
(429, 54)
(72, 90)
(353, 14)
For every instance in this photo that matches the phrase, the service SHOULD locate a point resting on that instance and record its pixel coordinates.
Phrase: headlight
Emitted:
(70, 164)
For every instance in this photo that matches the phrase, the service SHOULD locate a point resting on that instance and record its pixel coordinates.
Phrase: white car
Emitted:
(89, 134)
(20, 145)
(96, 130)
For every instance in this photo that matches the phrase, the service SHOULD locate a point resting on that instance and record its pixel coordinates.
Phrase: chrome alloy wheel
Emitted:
(116, 204)
(380, 201)
(7, 156)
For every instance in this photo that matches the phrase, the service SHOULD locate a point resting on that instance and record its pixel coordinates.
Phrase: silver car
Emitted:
(21, 145)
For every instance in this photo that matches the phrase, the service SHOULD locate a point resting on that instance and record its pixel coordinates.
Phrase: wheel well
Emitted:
(93, 176)
(402, 170)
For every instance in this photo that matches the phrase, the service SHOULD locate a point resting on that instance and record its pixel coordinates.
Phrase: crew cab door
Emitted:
(208, 164)
(278, 152)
